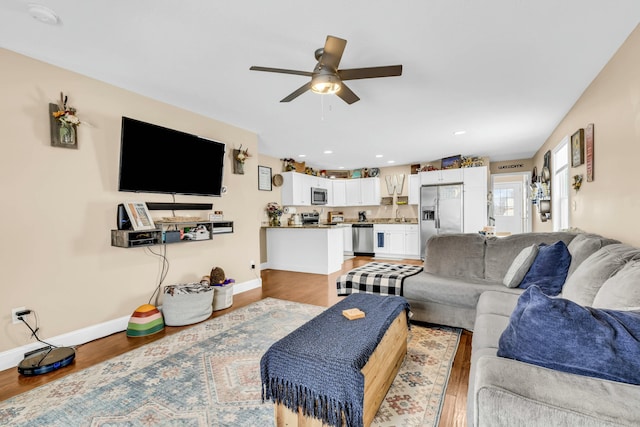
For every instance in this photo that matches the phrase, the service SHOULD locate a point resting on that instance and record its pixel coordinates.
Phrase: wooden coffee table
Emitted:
(379, 372)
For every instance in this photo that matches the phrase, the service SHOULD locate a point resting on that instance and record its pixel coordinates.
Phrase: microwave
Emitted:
(319, 196)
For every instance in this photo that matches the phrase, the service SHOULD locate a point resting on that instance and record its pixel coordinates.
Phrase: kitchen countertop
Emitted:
(338, 225)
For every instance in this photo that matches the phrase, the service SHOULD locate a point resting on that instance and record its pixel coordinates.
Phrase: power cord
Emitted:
(34, 332)
(164, 270)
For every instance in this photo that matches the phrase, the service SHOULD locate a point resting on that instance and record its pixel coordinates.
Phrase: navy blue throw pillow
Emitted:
(549, 269)
(559, 334)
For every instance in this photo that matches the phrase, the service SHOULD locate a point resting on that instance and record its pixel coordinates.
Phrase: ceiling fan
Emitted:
(326, 78)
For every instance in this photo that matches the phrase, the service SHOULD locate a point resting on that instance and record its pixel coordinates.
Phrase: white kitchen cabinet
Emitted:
(347, 239)
(412, 241)
(445, 176)
(370, 189)
(296, 188)
(338, 192)
(475, 198)
(353, 193)
(414, 189)
(292, 191)
(390, 240)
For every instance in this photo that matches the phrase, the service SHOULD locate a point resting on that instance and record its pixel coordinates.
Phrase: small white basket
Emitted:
(223, 297)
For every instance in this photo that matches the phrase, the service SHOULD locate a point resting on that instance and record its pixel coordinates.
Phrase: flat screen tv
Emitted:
(155, 159)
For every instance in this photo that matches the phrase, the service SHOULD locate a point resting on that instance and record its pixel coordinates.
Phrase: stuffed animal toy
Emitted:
(217, 276)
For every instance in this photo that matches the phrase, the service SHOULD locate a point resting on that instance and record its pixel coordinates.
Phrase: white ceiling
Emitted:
(506, 71)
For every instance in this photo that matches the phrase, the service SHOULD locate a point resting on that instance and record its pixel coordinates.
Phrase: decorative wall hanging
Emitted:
(264, 178)
(239, 157)
(63, 124)
(577, 148)
(588, 135)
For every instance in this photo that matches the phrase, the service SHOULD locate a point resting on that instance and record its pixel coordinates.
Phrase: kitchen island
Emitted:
(308, 249)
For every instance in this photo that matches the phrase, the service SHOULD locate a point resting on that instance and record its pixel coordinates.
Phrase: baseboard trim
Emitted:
(11, 358)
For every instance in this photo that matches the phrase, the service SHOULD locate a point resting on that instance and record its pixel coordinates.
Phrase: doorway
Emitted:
(511, 207)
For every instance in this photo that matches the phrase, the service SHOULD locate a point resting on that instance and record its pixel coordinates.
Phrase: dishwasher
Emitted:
(362, 239)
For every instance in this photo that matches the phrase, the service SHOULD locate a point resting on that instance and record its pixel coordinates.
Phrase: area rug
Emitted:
(209, 375)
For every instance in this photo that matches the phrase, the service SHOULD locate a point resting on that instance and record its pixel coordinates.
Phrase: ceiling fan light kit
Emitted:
(326, 78)
(325, 84)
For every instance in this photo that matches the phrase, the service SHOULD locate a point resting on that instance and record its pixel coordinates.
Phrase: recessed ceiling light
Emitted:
(379, 155)
(43, 14)
(391, 161)
(341, 167)
(459, 132)
(302, 155)
(328, 152)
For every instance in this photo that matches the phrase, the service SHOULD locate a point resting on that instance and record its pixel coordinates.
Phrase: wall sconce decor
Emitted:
(577, 182)
(239, 157)
(63, 124)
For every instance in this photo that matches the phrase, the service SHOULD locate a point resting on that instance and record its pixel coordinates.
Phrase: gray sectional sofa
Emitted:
(462, 286)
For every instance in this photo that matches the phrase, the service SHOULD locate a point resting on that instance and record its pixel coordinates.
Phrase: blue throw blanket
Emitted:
(317, 366)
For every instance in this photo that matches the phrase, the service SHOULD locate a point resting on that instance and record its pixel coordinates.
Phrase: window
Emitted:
(560, 186)
(503, 201)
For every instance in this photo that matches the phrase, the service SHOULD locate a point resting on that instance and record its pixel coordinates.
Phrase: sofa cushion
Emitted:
(447, 290)
(622, 290)
(455, 255)
(559, 334)
(549, 269)
(500, 251)
(583, 285)
(583, 245)
(520, 266)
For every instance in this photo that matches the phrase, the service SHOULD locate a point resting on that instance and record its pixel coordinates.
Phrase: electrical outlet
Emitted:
(14, 318)
(253, 265)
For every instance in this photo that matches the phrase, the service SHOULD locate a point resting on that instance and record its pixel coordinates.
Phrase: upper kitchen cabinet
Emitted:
(363, 192)
(338, 192)
(414, 189)
(445, 176)
(296, 189)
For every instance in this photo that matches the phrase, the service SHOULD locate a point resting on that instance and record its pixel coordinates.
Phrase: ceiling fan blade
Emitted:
(347, 94)
(332, 52)
(281, 70)
(370, 73)
(296, 93)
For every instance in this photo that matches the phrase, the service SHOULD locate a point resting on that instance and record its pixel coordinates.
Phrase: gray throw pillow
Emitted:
(622, 290)
(520, 266)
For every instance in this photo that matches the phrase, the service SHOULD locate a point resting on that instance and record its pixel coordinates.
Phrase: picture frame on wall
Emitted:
(589, 151)
(264, 178)
(139, 216)
(577, 148)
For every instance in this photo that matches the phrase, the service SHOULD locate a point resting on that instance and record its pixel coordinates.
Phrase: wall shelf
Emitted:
(171, 232)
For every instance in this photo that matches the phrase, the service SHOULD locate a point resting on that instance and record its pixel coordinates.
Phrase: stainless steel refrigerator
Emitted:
(441, 210)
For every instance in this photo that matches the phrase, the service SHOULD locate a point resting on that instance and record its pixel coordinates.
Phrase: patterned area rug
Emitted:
(209, 375)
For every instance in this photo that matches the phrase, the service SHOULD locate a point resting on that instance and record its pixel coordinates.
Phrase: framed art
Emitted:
(264, 178)
(452, 162)
(577, 148)
(139, 216)
(589, 149)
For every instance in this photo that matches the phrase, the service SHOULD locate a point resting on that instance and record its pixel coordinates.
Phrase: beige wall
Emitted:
(610, 204)
(59, 205)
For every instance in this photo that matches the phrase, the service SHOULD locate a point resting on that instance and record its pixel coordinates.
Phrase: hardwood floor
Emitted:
(306, 288)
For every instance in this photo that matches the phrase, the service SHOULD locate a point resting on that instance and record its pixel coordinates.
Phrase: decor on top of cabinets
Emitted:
(589, 149)
(63, 124)
(577, 148)
(374, 172)
(264, 178)
(452, 162)
(239, 157)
